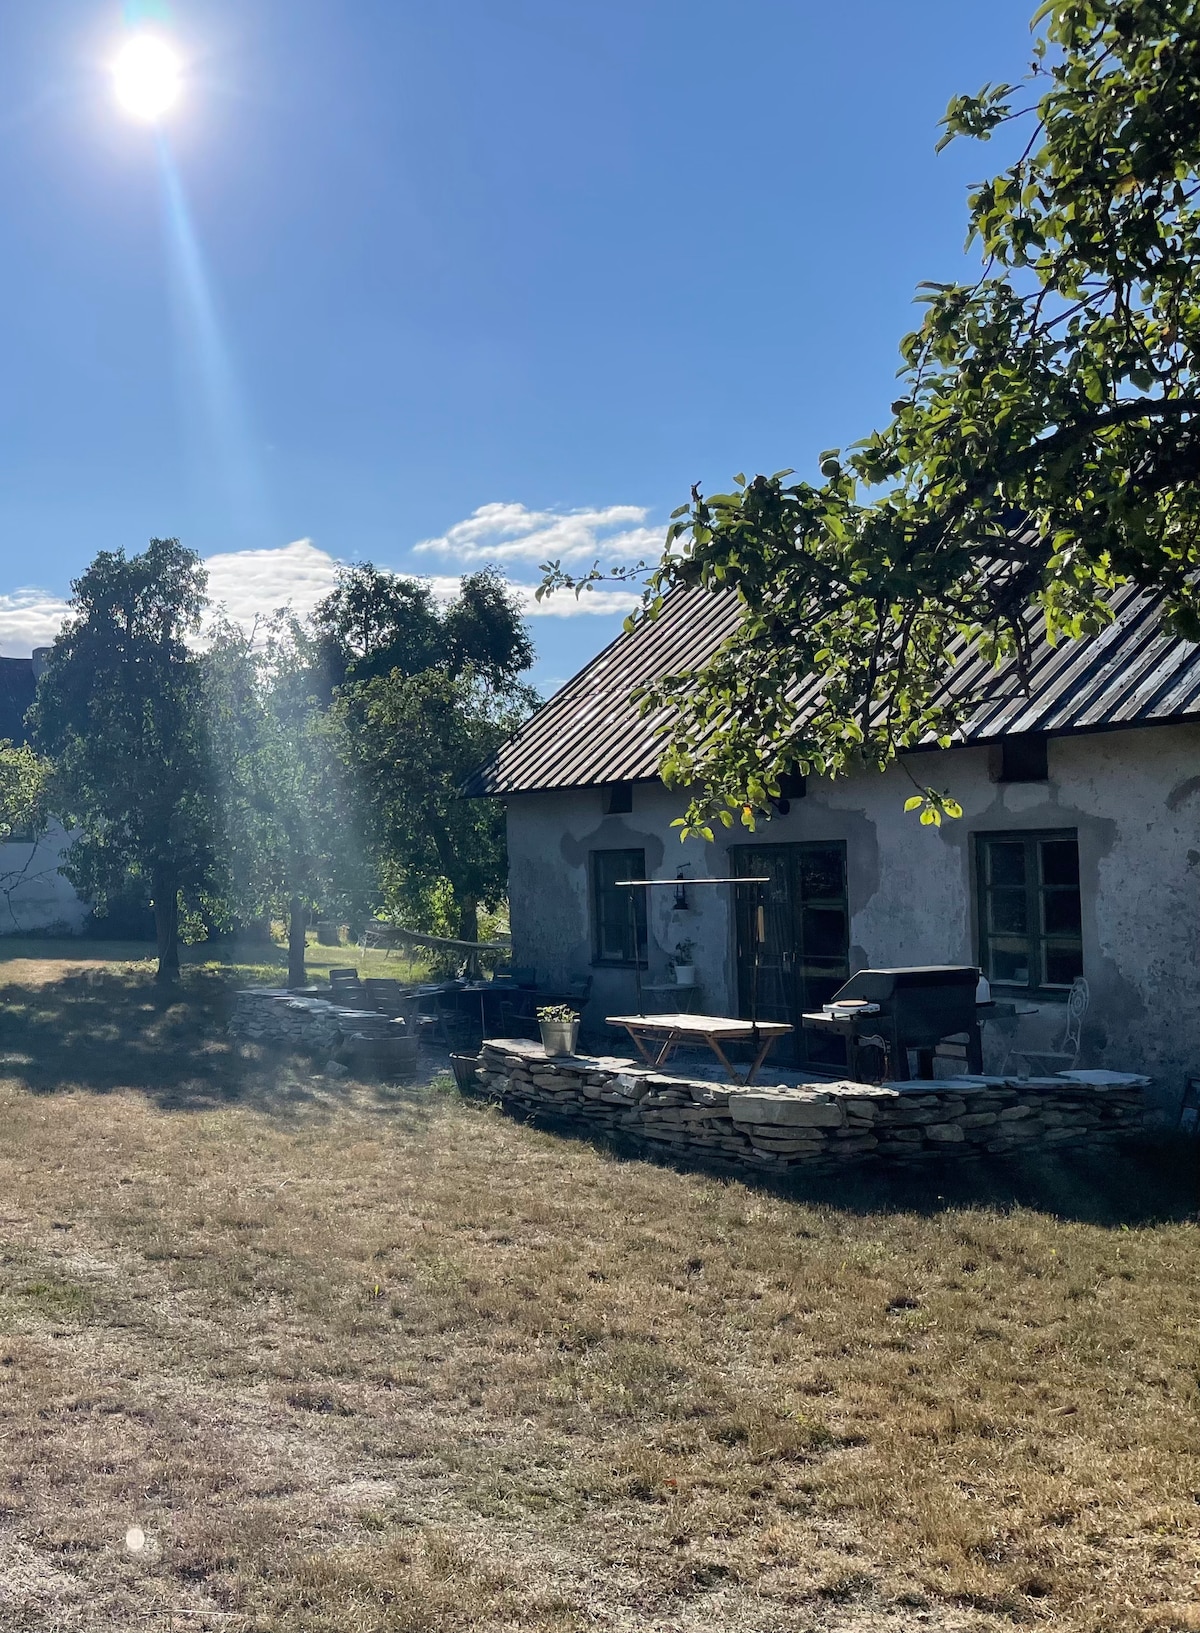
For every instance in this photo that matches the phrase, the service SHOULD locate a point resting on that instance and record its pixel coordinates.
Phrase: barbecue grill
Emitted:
(899, 1010)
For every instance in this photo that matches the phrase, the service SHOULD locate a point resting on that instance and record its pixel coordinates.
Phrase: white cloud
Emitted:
(510, 532)
(29, 618)
(252, 583)
(597, 603)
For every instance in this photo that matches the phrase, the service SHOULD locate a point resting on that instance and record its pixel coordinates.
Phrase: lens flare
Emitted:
(147, 76)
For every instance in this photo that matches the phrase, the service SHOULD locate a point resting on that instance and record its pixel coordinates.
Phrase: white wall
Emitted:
(34, 896)
(1132, 796)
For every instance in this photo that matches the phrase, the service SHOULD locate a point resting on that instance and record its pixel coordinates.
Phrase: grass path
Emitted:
(354, 1360)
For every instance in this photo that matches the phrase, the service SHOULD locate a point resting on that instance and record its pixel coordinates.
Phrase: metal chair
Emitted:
(1066, 1057)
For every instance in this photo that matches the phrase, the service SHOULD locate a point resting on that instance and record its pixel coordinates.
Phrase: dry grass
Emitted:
(356, 1359)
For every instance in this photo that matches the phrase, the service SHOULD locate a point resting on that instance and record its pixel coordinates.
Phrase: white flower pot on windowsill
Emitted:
(685, 975)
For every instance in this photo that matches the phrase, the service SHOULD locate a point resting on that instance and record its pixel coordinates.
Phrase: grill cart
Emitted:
(898, 1010)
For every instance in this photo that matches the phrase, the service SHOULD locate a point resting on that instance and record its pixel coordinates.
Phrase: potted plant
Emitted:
(559, 1025)
(682, 964)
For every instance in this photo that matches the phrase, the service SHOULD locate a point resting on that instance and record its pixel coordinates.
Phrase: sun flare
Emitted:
(147, 76)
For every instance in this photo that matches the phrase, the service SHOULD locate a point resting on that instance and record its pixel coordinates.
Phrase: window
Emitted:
(615, 926)
(1021, 759)
(618, 799)
(1030, 931)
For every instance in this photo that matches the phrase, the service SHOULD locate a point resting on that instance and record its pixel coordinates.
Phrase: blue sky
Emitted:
(503, 274)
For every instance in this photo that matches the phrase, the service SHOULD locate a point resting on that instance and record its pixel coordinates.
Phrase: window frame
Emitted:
(635, 871)
(1035, 936)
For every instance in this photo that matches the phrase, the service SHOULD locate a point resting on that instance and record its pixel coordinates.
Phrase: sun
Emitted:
(147, 76)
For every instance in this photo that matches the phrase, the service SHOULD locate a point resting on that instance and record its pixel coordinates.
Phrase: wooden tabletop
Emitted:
(702, 1026)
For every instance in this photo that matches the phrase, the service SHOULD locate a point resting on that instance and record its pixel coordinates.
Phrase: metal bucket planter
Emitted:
(559, 1037)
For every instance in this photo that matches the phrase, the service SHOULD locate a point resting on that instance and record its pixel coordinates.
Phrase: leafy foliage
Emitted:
(287, 816)
(427, 693)
(375, 623)
(409, 743)
(120, 710)
(23, 778)
(1045, 446)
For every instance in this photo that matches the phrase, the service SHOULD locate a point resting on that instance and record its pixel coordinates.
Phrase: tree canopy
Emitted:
(287, 819)
(427, 693)
(120, 710)
(1044, 446)
(375, 623)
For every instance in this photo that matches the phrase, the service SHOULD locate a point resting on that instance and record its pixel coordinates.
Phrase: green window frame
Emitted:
(616, 939)
(1029, 909)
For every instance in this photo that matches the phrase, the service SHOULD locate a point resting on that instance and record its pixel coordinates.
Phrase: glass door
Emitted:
(804, 954)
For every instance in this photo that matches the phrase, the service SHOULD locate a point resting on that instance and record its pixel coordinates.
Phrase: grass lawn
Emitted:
(347, 1359)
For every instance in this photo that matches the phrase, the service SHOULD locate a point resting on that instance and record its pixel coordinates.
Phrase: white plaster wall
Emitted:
(34, 896)
(1132, 796)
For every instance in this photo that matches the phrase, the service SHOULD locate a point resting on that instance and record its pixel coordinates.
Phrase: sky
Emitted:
(444, 284)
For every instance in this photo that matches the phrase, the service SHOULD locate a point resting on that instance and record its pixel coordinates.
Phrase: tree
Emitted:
(376, 622)
(425, 693)
(289, 825)
(410, 741)
(1045, 446)
(120, 710)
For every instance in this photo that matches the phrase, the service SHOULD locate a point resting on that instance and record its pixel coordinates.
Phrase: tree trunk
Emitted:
(297, 925)
(468, 919)
(166, 925)
(468, 930)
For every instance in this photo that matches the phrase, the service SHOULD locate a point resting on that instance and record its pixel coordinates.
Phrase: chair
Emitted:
(1066, 1057)
(342, 975)
(579, 989)
(516, 1021)
(387, 996)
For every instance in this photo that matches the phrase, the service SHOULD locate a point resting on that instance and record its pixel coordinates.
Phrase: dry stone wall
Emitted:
(817, 1126)
(297, 1021)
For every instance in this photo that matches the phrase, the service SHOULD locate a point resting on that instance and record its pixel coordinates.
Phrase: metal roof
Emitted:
(1133, 673)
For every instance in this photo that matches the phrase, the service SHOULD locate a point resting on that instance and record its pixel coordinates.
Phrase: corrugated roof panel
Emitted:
(1133, 672)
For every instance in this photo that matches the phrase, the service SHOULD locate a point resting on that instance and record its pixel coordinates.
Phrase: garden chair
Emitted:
(517, 1021)
(1066, 1057)
(342, 975)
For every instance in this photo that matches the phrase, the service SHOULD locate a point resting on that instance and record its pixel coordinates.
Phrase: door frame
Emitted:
(742, 861)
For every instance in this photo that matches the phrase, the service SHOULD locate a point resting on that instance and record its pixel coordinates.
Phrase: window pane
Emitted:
(1060, 862)
(823, 932)
(1063, 964)
(821, 874)
(614, 931)
(1007, 912)
(1060, 913)
(1009, 964)
(1006, 862)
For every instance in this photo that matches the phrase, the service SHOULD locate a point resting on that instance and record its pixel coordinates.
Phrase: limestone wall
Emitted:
(816, 1126)
(295, 1021)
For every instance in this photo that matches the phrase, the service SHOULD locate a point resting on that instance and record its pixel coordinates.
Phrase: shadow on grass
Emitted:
(1146, 1182)
(102, 1031)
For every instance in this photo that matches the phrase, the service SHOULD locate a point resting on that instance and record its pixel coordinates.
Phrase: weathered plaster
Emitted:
(34, 895)
(1128, 795)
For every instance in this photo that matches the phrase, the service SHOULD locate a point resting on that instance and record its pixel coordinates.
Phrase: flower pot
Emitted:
(685, 975)
(559, 1037)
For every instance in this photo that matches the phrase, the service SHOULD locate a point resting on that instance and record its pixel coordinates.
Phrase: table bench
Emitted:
(667, 1032)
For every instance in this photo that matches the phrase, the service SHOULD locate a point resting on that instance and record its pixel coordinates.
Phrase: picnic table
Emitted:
(669, 1031)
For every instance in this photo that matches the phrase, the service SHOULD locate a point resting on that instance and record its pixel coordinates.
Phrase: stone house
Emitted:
(1078, 852)
(34, 896)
